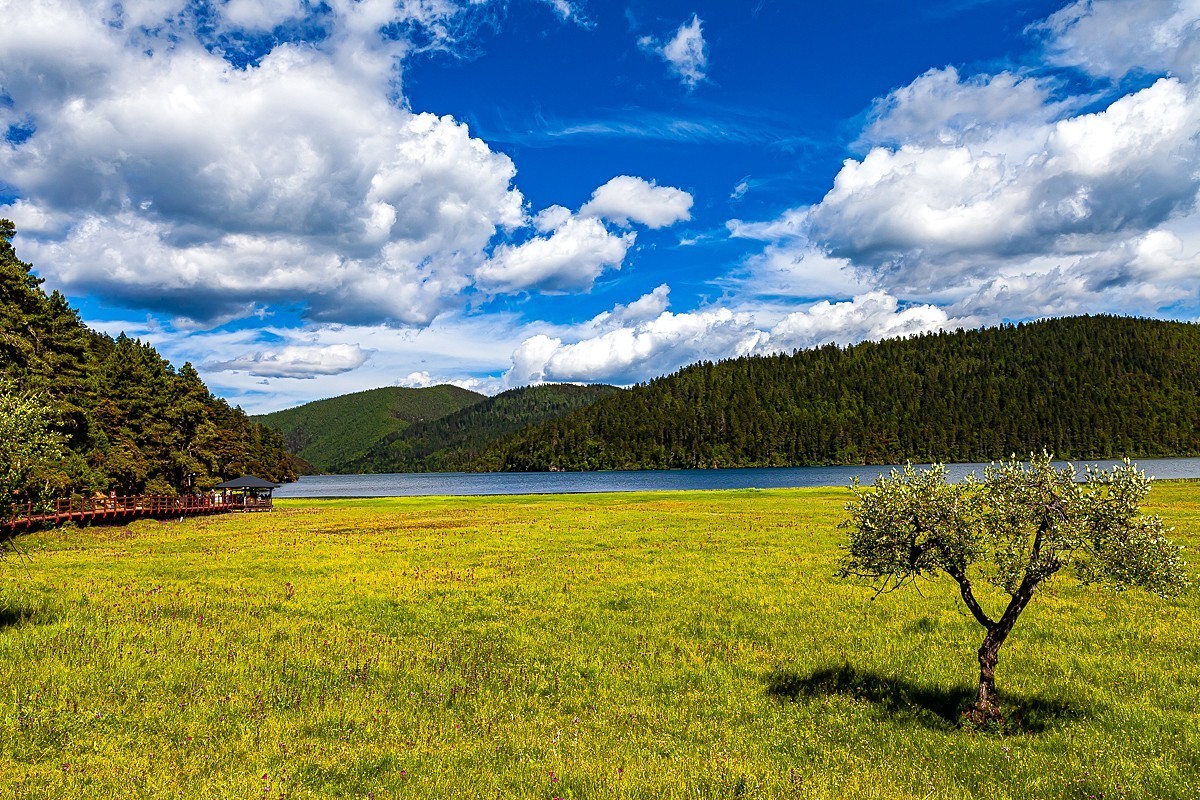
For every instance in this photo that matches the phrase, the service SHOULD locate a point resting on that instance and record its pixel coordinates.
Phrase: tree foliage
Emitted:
(1082, 387)
(125, 418)
(29, 450)
(1018, 527)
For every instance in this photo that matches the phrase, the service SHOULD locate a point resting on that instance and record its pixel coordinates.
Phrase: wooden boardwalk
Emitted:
(122, 509)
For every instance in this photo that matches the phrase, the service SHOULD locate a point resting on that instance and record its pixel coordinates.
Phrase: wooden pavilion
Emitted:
(248, 493)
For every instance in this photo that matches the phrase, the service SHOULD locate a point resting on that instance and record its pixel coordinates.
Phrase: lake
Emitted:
(489, 483)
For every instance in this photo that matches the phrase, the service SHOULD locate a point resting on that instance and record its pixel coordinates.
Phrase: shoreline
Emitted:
(470, 484)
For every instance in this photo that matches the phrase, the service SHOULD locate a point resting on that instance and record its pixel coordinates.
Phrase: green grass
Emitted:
(638, 645)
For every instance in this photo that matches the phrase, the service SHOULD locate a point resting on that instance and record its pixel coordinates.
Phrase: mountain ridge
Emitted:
(1080, 387)
(337, 429)
(453, 442)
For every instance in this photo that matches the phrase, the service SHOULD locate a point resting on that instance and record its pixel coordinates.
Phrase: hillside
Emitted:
(330, 432)
(1081, 387)
(453, 442)
(124, 418)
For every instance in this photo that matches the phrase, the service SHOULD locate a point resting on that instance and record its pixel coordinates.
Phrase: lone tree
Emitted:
(1016, 528)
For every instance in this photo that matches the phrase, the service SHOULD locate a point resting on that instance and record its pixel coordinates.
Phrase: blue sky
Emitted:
(310, 198)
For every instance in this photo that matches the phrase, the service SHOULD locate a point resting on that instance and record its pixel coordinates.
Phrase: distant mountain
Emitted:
(452, 443)
(1080, 387)
(334, 431)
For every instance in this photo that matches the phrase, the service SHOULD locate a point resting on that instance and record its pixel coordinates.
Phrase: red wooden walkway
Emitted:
(119, 509)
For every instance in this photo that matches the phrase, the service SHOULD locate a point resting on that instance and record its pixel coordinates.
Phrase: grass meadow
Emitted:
(669, 645)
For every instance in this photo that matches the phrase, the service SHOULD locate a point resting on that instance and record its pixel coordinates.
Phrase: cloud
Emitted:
(158, 172)
(686, 52)
(626, 198)
(926, 214)
(573, 250)
(791, 224)
(296, 362)
(942, 108)
(794, 269)
(569, 12)
(645, 308)
(569, 259)
(875, 315)
(262, 15)
(132, 261)
(1112, 38)
(640, 348)
(1149, 273)
(551, 219)
(425, 379)
(726, 126)
(629, 354)
(980, 192)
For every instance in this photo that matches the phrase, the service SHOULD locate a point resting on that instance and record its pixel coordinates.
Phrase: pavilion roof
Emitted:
(248, 482)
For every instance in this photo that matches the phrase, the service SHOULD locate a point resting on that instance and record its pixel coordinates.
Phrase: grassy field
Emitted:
(637, 645)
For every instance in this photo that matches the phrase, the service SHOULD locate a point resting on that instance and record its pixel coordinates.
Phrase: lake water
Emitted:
(488, 483)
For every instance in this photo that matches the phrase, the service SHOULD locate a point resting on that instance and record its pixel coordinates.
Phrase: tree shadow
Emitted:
(936, 707)
(10, 618)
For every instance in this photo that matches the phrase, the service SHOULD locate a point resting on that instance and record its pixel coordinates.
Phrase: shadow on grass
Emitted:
(12, 619)
(935, 707)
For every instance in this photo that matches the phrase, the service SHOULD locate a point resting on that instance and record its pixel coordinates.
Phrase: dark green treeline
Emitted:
(129, 422)
(1081, 387)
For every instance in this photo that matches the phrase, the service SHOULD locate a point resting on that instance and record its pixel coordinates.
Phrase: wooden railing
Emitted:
(88, 509)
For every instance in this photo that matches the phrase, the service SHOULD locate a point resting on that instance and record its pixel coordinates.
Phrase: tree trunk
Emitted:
(986, 708)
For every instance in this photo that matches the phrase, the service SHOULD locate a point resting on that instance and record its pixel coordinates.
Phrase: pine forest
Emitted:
(109, 413)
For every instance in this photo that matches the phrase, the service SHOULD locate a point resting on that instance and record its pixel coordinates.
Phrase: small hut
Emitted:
(248, 493)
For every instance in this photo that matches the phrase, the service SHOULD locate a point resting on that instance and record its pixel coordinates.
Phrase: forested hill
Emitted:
(126, 420)
(333, 431)
(453, 442)
(1080, 387)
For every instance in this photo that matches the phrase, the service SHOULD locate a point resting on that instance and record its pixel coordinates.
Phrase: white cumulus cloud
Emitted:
(997, 196)
(573, 250)
(571, 258)
(645, 308)
(628, 354)
(942, 108)
(875, 315)
(1079, 185)
(626, 198)
(159, 175)
(622, 347)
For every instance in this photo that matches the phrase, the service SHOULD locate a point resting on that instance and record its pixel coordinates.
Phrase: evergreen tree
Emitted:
(122, 418)
(1086, 387)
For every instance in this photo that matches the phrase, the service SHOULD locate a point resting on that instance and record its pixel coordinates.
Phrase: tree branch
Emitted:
(1022, 597)
(915, 551)
(968, 596)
